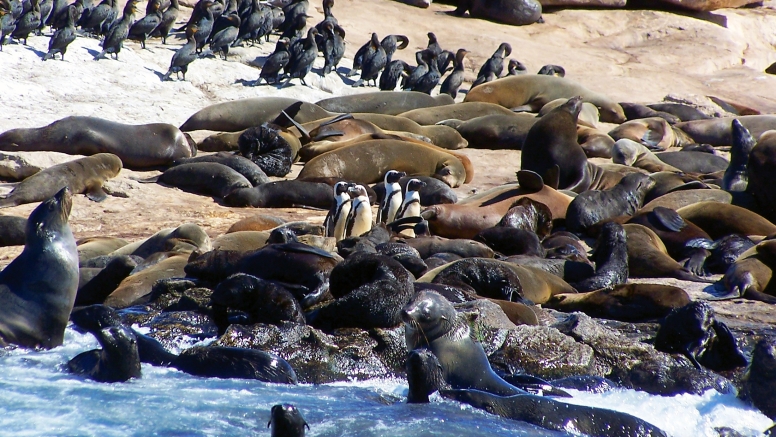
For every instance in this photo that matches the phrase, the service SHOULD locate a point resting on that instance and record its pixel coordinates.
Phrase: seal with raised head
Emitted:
(611, 260)
(85, 175)
(431, 321)
(532, 91)
(557, 416)
(117, 361)
(138, 146)
(592, 206)
(286, 421)
(760, 379)
(38, 288)
(736, 176)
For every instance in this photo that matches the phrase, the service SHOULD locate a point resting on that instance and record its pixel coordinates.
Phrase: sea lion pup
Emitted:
(370, 291)
(718, 131)
(693, 331)
(511, 241)
(723, 219)
(233, 362)
(286, 421)
(117, 361)
(655, 133)
(241, 114)
(38, 288)
(267, 148)
(431, 321)
(531, 92)
(368, 161)
(85, 175)
(138, 146)
(611, 260)
(482, 277)
(592, 206)
(760, 379)
(528, 214)
(736, 176)
(424, 375)
(648, 258)
(629, 152)
(557, 416)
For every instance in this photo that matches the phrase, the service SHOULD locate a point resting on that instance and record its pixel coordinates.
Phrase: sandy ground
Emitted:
(631, 55)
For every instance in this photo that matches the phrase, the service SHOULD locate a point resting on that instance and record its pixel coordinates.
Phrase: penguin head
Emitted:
(393, 176)
(415, 185)
(341, 187)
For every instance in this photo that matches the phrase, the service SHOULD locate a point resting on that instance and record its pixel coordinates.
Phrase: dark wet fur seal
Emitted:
(760, 379)
(105, 281)
(566, 269)
(726, 251)
(592, 206)
(736, 176)
(138, 146)
(282, 194)
(38, 288)
(684, 112)
(205, 178)
(588, 383)
(84, 175)
(12, 230)
(557, 416)
(634, 111)
(232, 362)
(611, 260)
(431, 321)
(266, 147)
(286, 421)
(117, 361)
(252, 172)
(424, 375)
(405, 254)
(435, 192)
(263, 301)
(694, 332)
(528, 214)
(370, 291)
(483, 277)
(515, 12)
(428, 246)
(511, 241)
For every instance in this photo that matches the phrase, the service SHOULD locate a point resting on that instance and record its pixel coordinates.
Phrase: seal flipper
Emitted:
(337, 119)
(669, 218)
(96, 193)
(530, 180)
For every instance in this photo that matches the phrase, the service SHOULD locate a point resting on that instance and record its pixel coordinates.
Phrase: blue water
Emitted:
(38, 397)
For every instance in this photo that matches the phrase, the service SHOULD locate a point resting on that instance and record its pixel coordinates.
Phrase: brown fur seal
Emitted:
(679, 199)
(138, 146)
(718, 132)
(85, 175)
(38, 288)
(648, 257)
(750, 276)
(137, 288)
(721, 219)
(628, 152)
(655, 133)
(592, 206)
(625, 302)
(244, 113)
(91, 247)
(466, 219)
(166, 239)
(379, 102)
(762, 168)
(458, 111)
(368, 161)
(496, 131)
(259, 222)
(588, 115)
(532, 91)
(595, 143)
(431, 321)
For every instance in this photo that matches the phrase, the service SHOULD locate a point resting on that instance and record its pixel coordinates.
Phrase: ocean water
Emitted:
(38, 397)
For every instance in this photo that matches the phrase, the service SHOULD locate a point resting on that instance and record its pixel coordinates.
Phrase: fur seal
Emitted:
(722, 219)
(736, 176)
(136, 288)
(514, 12)
(750, 276)
(635, 111)
(206, 178)
(592, 206)
(684, 112)
(91, 247)
(370, 291)
(693, 331)
(588, 115)
(694, 162)
(557, 416)
(530, 215)
(260, 222)
(38, 288)
(654, 133)
(424, 375)
(458, 111)
(379, 102)
(760, 378)
(233, 362)
(241, 114)
(679, 199)
(762, 162)
(12, 230)
(164, 240)
(718, 131)
(628, 152)
(85, 175)
(117, 361)
(648, 257)
(497, 131)
(286, 421)
(138, 146)
(282, 194)
(429, 246)
(252, 172)
(368, 161)
(532, 91)
(595, 143)
(611, 260)
(99, 283)
(431, 321)
(624, 302)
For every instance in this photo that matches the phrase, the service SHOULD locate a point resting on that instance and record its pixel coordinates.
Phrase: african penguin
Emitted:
(392, 200)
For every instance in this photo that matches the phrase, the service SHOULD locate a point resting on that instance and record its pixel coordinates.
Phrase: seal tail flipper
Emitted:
(96, 193)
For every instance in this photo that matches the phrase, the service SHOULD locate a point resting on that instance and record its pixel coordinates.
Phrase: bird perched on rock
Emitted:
(184, 56)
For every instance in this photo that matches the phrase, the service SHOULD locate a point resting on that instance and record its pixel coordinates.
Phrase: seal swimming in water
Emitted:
(38, 288)
(286, 421)
(117, 361)
(432, 322)
(138, 146)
